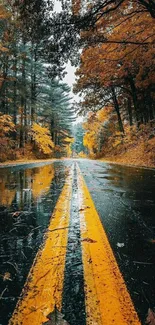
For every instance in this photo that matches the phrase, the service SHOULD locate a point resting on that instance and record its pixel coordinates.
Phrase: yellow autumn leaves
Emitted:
(6, 125)
(42, 139)
(93, 128)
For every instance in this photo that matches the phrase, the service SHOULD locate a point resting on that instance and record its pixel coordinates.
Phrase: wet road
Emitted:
(125, 201)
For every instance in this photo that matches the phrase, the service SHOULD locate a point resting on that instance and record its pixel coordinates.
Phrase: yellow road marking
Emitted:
(106, 297)
(44, 286)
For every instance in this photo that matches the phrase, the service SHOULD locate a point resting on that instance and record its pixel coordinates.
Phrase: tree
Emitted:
(27, 91)
(78, 134)
(108, 71)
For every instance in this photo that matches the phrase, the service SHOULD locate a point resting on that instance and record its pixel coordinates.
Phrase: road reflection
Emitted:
(28, 197)
(125, 200)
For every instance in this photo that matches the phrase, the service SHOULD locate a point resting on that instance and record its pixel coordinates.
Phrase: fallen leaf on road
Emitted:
(84, 208)
(150, 320)
(16, 214)
(7, 277)
(56, 318)
(89, 240)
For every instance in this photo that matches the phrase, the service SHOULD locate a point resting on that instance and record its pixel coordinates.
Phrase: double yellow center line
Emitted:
(107, 300)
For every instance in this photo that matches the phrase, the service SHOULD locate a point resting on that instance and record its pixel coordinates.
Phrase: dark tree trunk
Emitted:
(21, 137)
(145, 111)
(129, 108)
(3, 88)
(54, 132)
(15, 89)
(52, 128)
(23, 102)
(33, 83)
(6, 99)
(150, 106)
(134, 96)
(117, 109)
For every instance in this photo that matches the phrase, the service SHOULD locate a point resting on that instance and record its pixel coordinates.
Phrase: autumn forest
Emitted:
(112, 45)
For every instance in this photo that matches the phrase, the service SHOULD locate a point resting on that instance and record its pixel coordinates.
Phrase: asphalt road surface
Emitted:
(77, 236)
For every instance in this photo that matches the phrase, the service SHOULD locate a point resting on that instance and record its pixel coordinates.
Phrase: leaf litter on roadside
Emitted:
(55, 318)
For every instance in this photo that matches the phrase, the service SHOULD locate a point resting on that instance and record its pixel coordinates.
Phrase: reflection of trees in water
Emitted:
(42, 180)
(23, 222)
(23, 183)
(7, 192)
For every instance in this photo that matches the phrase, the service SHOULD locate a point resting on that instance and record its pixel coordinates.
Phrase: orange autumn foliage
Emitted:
(117, 68)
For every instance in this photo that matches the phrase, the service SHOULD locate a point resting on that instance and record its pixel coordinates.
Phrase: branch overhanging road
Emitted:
(95, 261)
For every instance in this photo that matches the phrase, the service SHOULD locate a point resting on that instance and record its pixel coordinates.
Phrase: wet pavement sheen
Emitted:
(125, 200)
(27, 199)
(73, 304)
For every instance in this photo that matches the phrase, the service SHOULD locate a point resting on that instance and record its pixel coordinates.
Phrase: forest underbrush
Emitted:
(133, 148)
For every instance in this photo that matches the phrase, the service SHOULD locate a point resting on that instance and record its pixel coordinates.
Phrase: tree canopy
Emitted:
(111, 42)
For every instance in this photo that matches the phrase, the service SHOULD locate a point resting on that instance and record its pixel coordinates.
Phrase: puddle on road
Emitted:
(27, 199)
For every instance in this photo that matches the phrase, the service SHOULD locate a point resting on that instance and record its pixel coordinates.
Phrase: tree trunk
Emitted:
(23, 100)
(54, 133)
(15, 88)
(134, 97)
(129, 108)
(150, 106)
(117, 109)
(21, 137)
(3, 88)
(33, 83)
